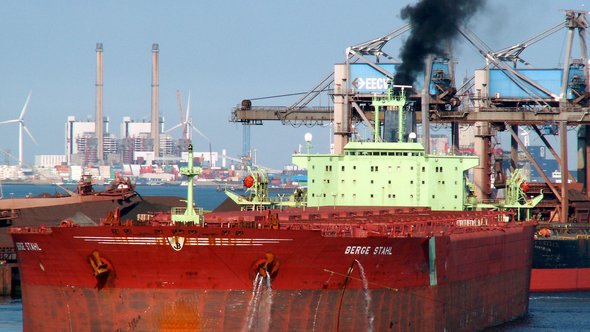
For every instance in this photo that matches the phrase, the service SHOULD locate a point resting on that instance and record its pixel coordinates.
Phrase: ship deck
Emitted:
(331, 222)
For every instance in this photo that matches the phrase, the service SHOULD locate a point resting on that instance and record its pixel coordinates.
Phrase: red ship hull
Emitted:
(560, 280)
(561, 258)
(205, 279)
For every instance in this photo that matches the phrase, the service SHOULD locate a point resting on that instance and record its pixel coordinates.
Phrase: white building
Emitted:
(208, 157)
(8, 172)
(81, 145)
(49, 160)
(75, 131)
(132, 129)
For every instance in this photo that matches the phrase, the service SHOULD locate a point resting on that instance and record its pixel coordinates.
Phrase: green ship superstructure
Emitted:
(386, 173)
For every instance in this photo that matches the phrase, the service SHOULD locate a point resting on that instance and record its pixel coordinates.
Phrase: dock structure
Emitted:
(499, 97)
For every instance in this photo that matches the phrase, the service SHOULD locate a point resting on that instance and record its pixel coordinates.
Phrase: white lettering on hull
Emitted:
(23, 246)
(366, 250)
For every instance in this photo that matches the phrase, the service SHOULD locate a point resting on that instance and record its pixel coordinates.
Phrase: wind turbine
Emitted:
(21, 126)
(187, 122)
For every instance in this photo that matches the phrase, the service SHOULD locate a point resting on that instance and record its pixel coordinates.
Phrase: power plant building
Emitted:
(135, 136)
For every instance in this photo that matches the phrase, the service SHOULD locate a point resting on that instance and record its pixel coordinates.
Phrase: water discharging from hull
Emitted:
(260, 305)
(368, 312)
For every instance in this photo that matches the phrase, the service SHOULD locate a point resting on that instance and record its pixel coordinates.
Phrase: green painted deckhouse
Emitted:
(386, 174)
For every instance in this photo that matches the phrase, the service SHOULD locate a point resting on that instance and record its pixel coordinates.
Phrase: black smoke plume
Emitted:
(433, 26)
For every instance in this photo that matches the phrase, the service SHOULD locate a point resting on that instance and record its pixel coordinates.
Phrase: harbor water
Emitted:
(547, 311)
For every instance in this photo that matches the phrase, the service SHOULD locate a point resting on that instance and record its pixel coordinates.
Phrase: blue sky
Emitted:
(222, 51)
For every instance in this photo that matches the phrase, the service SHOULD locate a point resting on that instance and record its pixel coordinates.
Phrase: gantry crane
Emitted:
(470, 104)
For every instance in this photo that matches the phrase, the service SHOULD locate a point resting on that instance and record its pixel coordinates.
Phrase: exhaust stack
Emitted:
(155, 101)
(99, 121)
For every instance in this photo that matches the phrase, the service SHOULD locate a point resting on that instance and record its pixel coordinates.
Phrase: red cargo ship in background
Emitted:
(561, 254)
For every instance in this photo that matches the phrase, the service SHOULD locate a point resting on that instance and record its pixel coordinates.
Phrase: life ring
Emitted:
(248, 181)
(544, 232)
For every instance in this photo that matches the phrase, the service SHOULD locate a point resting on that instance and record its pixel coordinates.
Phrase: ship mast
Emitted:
(189, 215)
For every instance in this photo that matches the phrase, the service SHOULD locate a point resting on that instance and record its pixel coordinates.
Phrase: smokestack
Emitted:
(98, 120)
(155, 100)
(434, 25)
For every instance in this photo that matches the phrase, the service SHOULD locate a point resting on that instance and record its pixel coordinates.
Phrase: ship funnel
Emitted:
(396, 102)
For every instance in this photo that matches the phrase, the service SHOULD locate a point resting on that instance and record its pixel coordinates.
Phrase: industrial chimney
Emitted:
(98, 121)
(155, 128)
